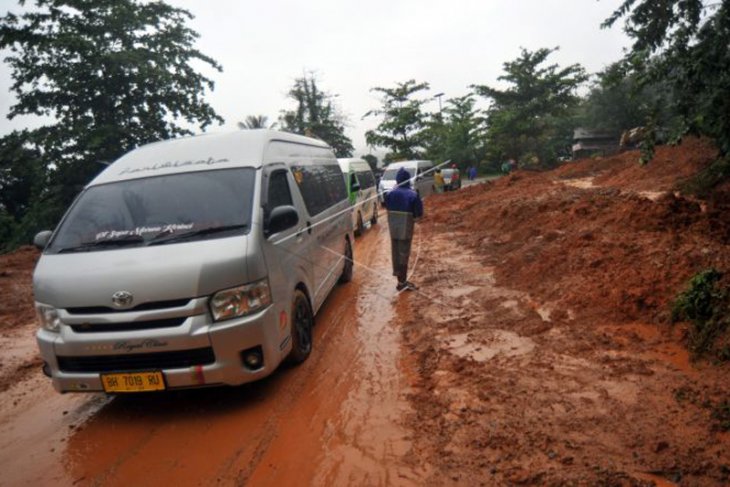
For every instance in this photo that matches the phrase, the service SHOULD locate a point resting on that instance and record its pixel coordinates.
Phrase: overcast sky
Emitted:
(356, 45)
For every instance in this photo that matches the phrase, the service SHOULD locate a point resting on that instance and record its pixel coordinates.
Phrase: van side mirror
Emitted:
(355, 186)
(281, 218)
(41, 239)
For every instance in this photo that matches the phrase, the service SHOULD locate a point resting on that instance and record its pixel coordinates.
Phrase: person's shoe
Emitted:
(406, 286)
(409, 286)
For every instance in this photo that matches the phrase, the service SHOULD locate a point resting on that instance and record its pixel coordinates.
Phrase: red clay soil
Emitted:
(541, 329)
(670, 165)
(17, 317)
(16, 271)
(600, 251)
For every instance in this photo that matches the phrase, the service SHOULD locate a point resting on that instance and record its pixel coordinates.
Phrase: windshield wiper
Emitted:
(161, 239)
(110, 242)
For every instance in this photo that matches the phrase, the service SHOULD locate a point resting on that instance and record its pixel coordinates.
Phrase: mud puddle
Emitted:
(490, 344)
(335, 419)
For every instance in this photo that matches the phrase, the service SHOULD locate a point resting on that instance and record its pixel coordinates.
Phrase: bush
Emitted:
(705, 304)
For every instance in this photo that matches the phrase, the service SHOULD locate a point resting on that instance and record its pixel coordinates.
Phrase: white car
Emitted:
(421, 177)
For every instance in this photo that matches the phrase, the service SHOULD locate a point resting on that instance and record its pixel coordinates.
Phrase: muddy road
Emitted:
(538, 351)
(334, 420)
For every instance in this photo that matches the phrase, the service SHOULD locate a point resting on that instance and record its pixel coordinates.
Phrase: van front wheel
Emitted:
(302, 321)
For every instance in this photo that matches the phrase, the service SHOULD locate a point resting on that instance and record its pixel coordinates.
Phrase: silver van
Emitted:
(421, 177)
(361, 191)
(193, 262)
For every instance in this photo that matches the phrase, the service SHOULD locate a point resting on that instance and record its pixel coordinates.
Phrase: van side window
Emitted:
(366, 179)
(321, 186)
(278, 194)
(353, 180)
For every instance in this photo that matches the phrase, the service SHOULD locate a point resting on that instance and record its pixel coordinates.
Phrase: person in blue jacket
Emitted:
(404, 207)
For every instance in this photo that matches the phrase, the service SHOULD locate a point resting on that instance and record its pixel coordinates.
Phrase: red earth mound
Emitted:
(596, 250)
(16, 270)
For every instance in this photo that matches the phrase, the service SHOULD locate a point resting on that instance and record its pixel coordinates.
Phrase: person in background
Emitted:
(438, 181)
(404, 206)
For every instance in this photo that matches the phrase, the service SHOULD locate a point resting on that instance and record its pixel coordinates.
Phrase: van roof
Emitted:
(346, 162)
(242, 148)
(396, 165)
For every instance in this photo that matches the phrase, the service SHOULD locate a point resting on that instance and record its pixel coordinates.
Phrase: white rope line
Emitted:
(349, 208)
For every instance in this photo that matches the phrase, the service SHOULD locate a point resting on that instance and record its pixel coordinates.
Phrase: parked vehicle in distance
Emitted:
(361, 192)
(193, 262)
(452, 179)
(421, 177)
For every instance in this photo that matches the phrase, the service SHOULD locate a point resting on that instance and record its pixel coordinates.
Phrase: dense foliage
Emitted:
(403, 120)
(706, 305)
(684, 45)
(457, 133)
(530, 120)
(109, 75)
(316, 115)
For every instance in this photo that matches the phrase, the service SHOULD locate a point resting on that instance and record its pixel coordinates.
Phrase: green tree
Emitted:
(684, 43)
(316, 115)
(22, 178)
(403, 124)
(256, 122)
(532, 120)
(616, 102)
(110, 74)
(458, 135)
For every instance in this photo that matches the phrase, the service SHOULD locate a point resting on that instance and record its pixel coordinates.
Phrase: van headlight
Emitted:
(240, 301)
(48, 318)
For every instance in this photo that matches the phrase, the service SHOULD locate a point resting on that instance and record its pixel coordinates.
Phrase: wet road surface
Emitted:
(334, 420)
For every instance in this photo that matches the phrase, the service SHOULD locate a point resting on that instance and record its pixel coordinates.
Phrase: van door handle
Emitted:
(309, 228)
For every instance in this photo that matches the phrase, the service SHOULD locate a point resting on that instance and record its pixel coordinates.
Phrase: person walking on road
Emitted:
(404, 206)
(438, 181)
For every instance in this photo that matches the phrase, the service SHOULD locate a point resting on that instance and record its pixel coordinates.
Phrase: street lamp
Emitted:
(439, 95)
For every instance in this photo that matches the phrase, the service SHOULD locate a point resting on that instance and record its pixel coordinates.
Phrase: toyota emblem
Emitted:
(122, 299)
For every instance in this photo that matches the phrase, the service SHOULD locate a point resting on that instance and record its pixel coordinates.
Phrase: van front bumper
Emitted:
(76, 361)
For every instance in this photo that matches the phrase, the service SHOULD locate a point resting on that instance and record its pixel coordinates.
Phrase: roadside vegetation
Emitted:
(706, 305)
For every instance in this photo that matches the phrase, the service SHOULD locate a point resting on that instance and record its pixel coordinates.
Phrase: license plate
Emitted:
(133, 382)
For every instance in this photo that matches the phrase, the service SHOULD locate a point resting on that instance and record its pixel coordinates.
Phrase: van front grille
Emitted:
(131, 326)
(138, 361)
(93, 310)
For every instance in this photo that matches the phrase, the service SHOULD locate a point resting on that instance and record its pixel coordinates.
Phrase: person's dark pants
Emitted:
(401, 252)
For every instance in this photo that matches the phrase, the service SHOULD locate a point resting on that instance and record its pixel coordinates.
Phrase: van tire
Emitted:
(374, 219)
(302, 322)
(360, 228)
(347, 269)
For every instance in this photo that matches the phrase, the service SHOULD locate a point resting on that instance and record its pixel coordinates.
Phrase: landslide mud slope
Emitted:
(541, 334)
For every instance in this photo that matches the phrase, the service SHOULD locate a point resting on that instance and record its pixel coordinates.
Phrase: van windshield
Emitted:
(389, 174)
(158, 210)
